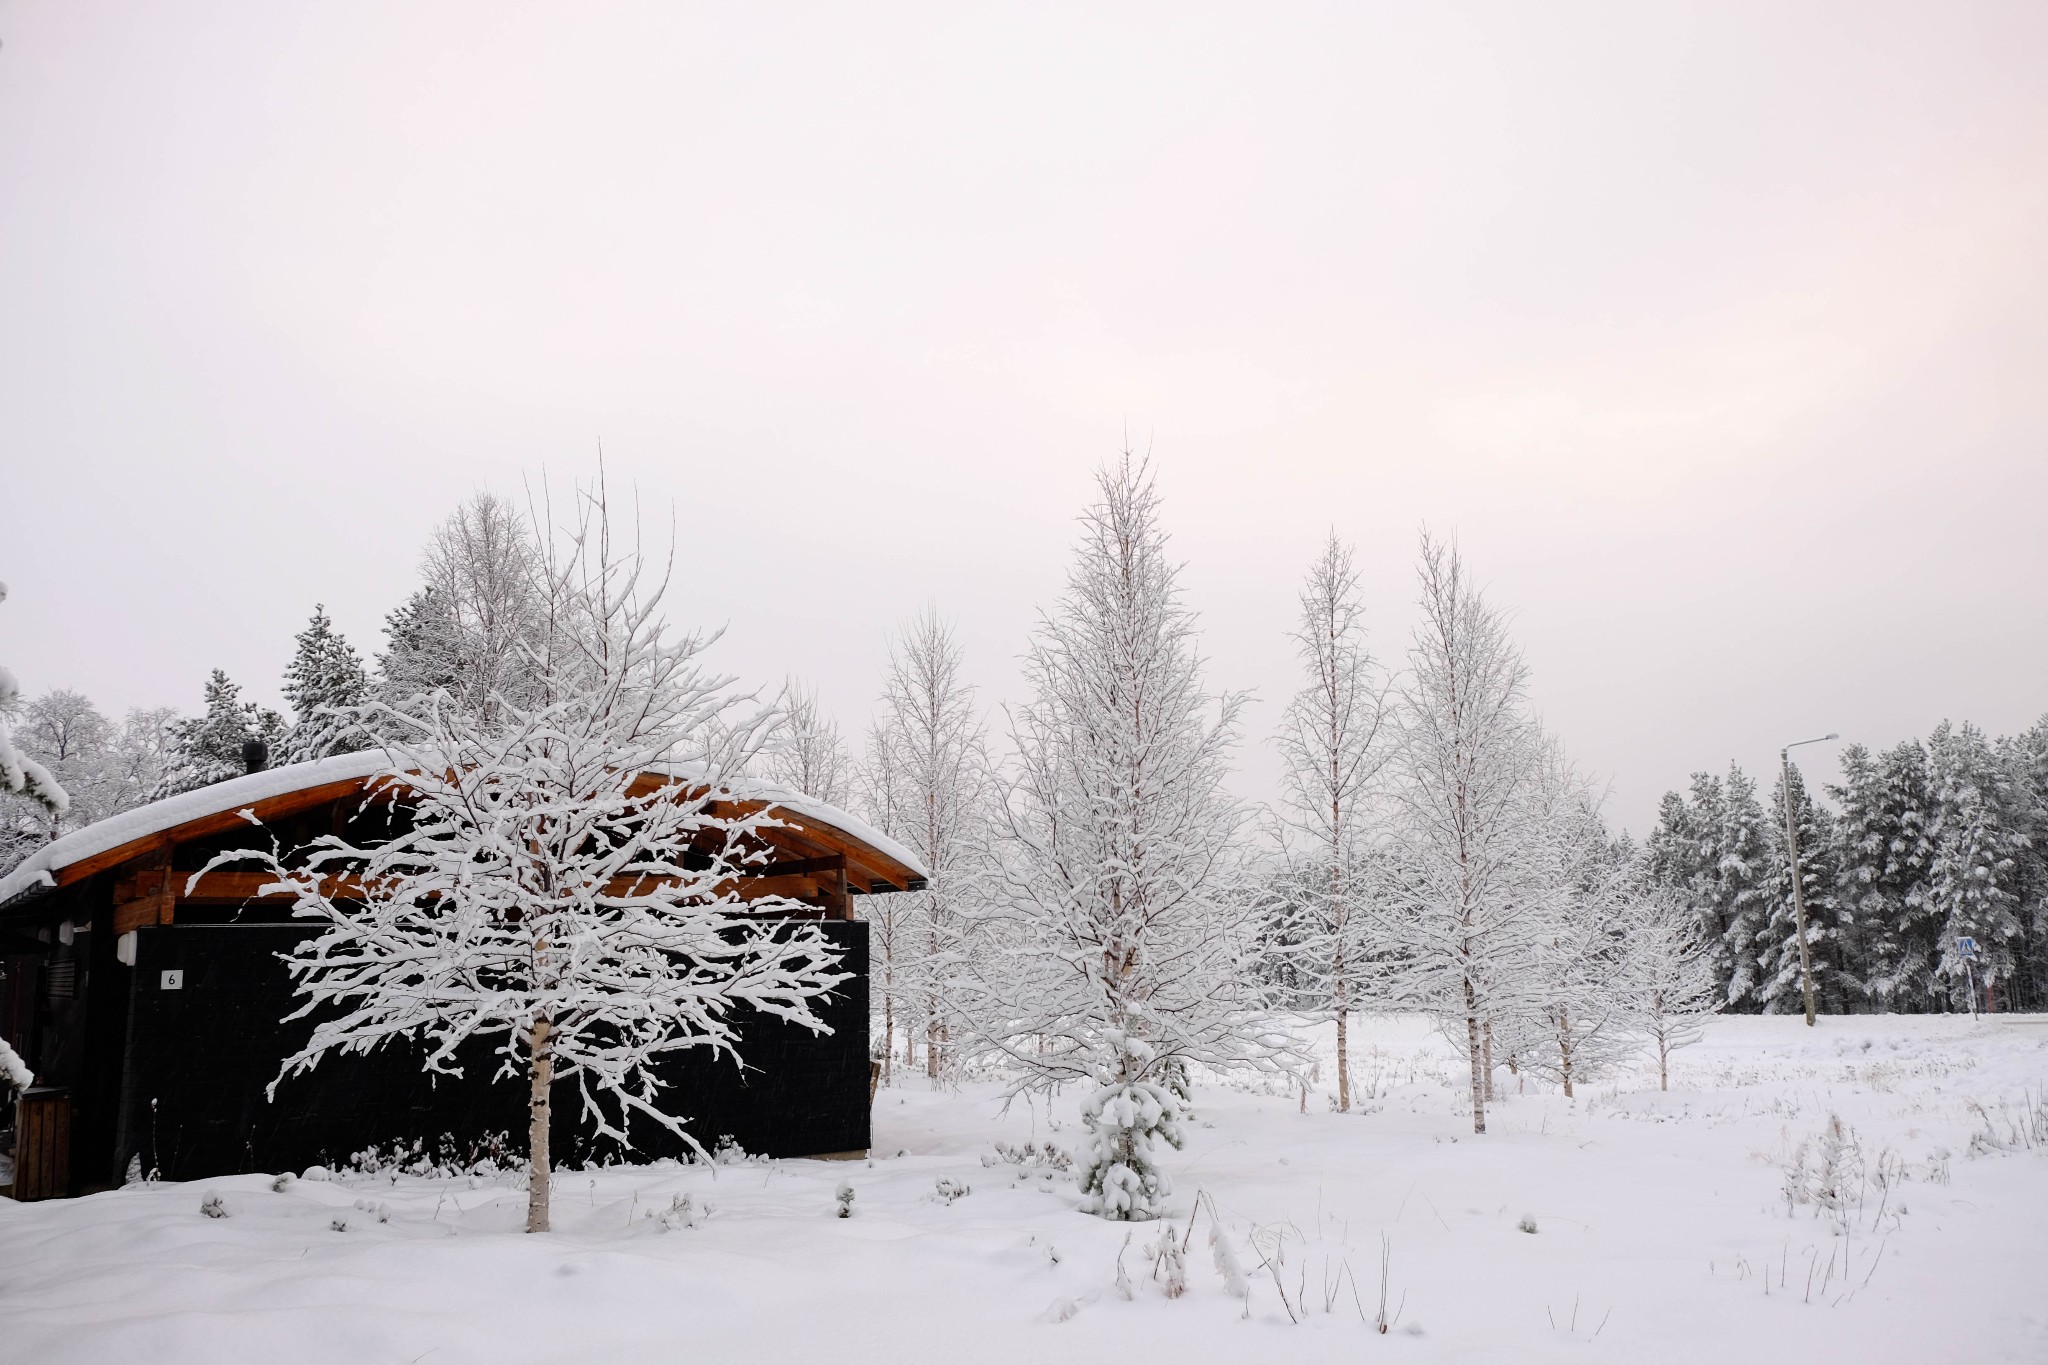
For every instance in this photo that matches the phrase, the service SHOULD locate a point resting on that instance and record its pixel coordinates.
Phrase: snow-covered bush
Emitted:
(213, 1206)
(682, 1212)
(14, 1071)
(843, 1199)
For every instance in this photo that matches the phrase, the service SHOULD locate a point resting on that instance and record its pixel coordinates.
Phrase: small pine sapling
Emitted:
(844, 1196)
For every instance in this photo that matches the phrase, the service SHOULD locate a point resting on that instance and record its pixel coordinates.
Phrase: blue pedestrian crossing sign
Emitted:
(1966, 949)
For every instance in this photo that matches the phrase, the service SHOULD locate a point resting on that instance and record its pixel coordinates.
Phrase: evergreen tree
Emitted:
(1745, 873)
(1974, 877)
(325, 677)
(1881, 856)
(419, 651)
(208, 748)
(1781, 984)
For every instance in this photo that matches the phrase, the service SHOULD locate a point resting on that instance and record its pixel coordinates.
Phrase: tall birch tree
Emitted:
(934, 747)
(1459, 911)
(1115, 935)
(1331, 742)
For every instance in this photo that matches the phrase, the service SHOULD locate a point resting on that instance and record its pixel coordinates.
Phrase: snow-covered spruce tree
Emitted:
(418, 658)
(1667, 976)
(208, 748)
(1684, 858)
(936, 750)
(806, 755)
(1111, 939)
(1747, 874)
(1331, 740)
(1883, 848)
(323, 685)
(1461, 907)
(21, 775)
(565, 884)
(1780, 985)
(1979, 840)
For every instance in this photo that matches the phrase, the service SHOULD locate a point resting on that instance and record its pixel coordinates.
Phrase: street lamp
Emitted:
(1799, 891)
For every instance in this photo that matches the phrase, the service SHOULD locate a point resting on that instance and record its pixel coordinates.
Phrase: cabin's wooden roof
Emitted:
(807, 830)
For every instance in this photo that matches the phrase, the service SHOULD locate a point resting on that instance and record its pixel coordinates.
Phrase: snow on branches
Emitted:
(1111, 947)
(1332, 741)
(561, 875)
(19, 773)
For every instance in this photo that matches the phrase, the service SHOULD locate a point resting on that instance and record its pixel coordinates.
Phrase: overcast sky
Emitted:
(1718, 336)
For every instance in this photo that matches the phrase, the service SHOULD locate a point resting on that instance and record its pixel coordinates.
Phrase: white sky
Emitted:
(1716, 335)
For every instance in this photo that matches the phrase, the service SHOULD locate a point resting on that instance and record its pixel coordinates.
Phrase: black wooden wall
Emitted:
(198, 1060)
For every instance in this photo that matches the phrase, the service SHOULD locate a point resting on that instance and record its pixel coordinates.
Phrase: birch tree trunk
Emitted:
(1472, 1051)
(539, 1112)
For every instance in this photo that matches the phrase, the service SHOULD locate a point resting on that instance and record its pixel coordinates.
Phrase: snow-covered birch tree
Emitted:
(1331, 742)
(1668, 975)
(1458, 909)
(562, 878)
(1113, 935)
(469, 628)
(1569, 1012)
(806, 754)
(932, 743)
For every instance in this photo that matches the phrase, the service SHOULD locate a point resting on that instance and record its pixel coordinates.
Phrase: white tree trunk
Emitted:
(539, 1111)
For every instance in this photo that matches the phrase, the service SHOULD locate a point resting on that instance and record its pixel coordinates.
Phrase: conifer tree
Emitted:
(323, 685)
(1781, 987)
(1746, 874)
(1974, 875)
(1881, 859)
(208, 748)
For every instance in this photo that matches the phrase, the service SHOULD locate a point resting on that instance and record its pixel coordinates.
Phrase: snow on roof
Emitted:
(35, 870)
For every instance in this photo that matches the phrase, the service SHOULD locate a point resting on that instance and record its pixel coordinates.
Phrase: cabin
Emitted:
(151, 1005)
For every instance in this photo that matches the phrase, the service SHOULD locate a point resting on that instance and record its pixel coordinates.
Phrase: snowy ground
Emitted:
(1661, 1233)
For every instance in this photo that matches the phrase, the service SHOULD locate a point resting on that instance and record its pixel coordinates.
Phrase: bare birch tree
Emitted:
(1331, 741)
(933, 749)
(1457, 908)
(807, 754)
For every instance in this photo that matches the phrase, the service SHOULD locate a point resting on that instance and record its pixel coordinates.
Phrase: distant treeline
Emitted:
(1930, 842)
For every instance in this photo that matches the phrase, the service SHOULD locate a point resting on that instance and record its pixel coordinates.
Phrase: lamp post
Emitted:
(1798, 890)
